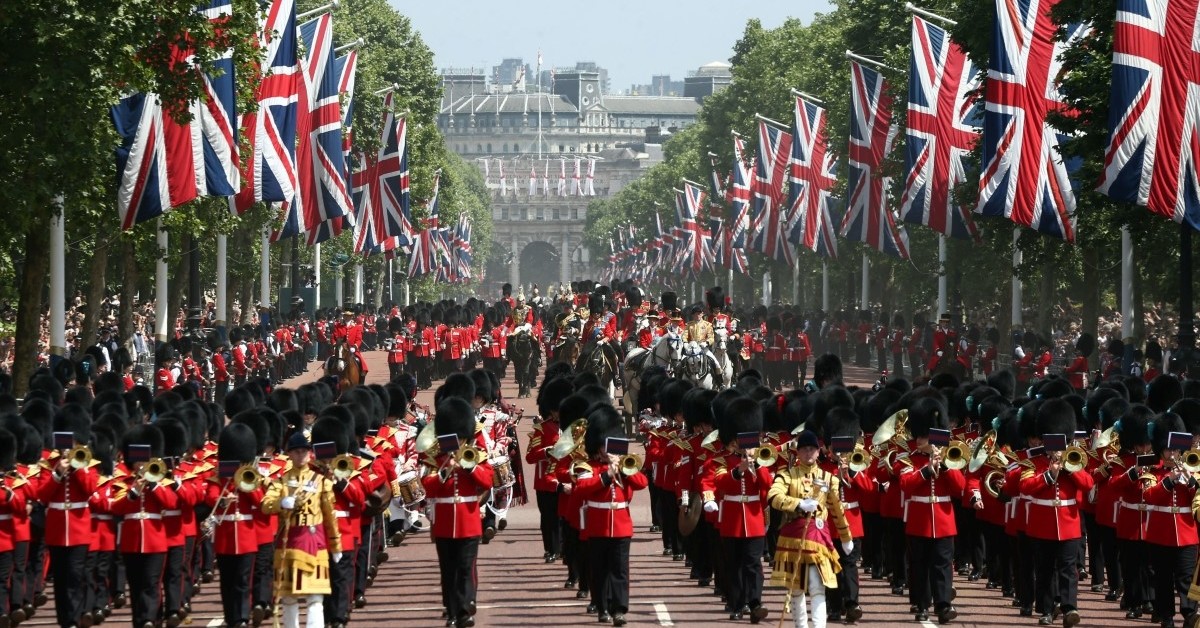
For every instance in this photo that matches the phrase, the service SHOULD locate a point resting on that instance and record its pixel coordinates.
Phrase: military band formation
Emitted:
(121, 494)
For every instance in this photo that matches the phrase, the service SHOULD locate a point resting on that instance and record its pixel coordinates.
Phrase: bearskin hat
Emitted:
(596, 303)
(898, 320)
(397, 401)
(1135, 426)
(176, 437)
(455, 415)
(742, 414)
(8, 450)
(925, 414)
(1161, 429)
(1055, 416)
(669, 301)
(1154, 351)
(1116, 347)
(1162, 392)
(143, 435)
(552, 395)
(238, 401)
(841, 422)
(603, 422)
(715, 297)
(76, 419)
(257, 424)
(1086, 344)
(1189, 410)
(456, 385)
(698, 410)
(237, 442)
(1003, 381)
(331, 430)
(633, 296)
(1054, 387)
(670, 397)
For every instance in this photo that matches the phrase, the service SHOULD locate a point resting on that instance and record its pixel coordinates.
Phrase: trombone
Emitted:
(246, 479)
(859, 459)
(630, 464)
(956, 455)
(154, 471)
(468, 457)
(765, 455)
(343, 466)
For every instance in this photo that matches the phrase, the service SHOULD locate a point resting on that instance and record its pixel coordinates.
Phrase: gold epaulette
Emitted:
(581, 467)
(904, 459)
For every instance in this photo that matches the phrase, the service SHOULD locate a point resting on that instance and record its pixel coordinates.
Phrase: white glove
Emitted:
(808, 505)
(336, 558)
(710, 506)
(287, 503)
(848, 547)
(684, 500)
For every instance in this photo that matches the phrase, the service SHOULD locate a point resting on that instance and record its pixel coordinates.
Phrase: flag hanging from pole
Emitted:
(811, 175)
(774, 147)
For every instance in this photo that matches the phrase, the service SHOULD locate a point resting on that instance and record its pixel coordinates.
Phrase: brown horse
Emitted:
(344, 366)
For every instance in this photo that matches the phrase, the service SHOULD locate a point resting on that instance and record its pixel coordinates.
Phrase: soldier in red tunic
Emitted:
(234, 539)
(545, 435)
(1170, 525)
(1078, 369)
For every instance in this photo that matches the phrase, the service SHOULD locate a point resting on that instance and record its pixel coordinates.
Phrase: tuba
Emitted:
(427, 439)
(891, 429)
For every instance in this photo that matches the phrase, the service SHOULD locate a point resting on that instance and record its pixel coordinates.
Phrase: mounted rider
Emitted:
(701, 332)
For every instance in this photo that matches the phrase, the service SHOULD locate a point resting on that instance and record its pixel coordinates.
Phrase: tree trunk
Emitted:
(27, 340)
(95, 294)
(129, 287)
(1045, 295)
(1091, 298)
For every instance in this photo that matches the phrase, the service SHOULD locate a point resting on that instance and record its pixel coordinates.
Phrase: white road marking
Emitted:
(217, 622)
(664, 616)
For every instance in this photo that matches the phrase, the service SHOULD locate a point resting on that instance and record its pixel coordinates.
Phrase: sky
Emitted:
(632, 39)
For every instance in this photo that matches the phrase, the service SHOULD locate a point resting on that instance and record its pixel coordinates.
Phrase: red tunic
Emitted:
(235, 533)
(1053, 507)
(455, 500)
(142, 527)
(929, 509)
(545, 436)
(741, 496)
(1169, 519)
(607, 501)
(68, 518)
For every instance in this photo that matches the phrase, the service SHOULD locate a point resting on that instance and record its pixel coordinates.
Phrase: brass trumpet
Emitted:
(154, 471)
(1190, 460)
(859, 459)
(765, 455)
(1074, 459)
(956, 456)
(468, 457)
(630, 464)
(248, 478)
(343, 466)
(80, 457)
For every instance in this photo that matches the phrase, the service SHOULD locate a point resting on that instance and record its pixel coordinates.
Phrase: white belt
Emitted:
(94, 517)
(743, 499)
(66, 505)
(1052, 502)
(341, 514)
(849, 505)
(457, 499)
(1140, 507)
(608, 505)
(172, 513)
(925, 499)
(144, 515)
(1173, 510)
(5, 517)
(234, 518)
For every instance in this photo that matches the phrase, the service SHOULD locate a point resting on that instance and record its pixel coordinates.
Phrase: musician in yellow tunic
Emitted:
(308, 538)
(805, 559)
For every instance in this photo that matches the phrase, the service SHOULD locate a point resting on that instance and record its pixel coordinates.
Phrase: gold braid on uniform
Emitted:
(297, 572)
(793, 555)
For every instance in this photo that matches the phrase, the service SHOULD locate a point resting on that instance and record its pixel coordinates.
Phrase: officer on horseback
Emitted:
(701, 332)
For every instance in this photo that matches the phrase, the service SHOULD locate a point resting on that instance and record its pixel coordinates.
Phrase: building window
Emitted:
(506, 147)
(516, 148)
(479, 148)
(541, 213)
(574, 213)
(489, 147)
(504, 213)
(556, 214)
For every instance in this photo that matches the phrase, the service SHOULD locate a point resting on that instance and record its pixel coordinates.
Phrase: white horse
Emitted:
(666, 351)
(696, 367)
(720, 351)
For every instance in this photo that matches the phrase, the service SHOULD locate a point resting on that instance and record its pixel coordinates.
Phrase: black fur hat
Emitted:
(1154, 352)
(257, 424)
(670, 397)
(1164, 424)
(669, 301)
(331, 430)
(8, 450)
(925, 414)
(176, 436)
(1003, 381)
(455, 416)
(715, 297)
(238, 401)
(76, 419)
(1056, 416)
(741, 415)
(456, 385)
(237, 442)
(843, 422)
(1162, 392)
(1086, 345)
(143, 435)
(397, 401)
(1135, 426)
(552, 395)
(1054, 388)
(697, 408)
(483, 384)
(603, 422)
(633, 296)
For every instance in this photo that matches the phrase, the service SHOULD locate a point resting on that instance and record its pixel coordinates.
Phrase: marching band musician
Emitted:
(841, 427)
(179, 522)
(738, 485)
(453, 490)
(1136, 436)
(931, 490)
(1053, 513)
(606, 483)
(142, 500)
(1170, 521)
(546, 432)
(805, 560)
(330, 437)
(309, 538)
(234, 539)
(13, 489)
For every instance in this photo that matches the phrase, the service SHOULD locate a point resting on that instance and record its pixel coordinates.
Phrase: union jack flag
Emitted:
(811, 174)
(269, 172)
(774, 147)
(826, 240)
(1024, 178)
(1154, 146)
(943, 127)
(868, 219)
(737, 195)
(366, 197)
(164, 164)
(424, 255)
(345, 67)
(699, 240)
(463, 255)
(395, 199)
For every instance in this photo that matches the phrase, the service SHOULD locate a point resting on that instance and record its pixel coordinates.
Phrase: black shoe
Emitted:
(1133, 613)
(1046, 620)
(853, 614)
(258, 614)
(835, 617)
(1071, 618)
(975, 576)
(736, 615)
(591, 608)
(17, 616)
(913, 608)
(618, 619)
(1112, 596)
(86, 621)
(877, 574)
(921, 616)
(503, 524)
(40, 599)
(1006, 592)
(1097, 588)
(604, 617)
(580, 594)
(489, 533)
(897, 590)
(466, 621)
(991, 586)
(758, 613)
(677, 557)
(360, 601)
(666, 552)
(1026, 611)
(205, 577)
(397, 538)
(569, 584)
(704, 582)
(655, 529)
(173, 620)
(947, 615)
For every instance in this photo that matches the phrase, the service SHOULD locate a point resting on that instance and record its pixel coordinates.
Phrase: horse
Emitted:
(567, 350)
(342, 365)
(667, 351)
(599, 358)
(720, 351)
(696, 367)
(949, 362)
(523, 350)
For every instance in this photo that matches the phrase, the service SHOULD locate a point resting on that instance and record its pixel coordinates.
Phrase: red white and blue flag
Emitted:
(1154, 147)
(163, 164)
(269, 171)
(699, 243)
(868, 218)
(737, 196)
(345, 68)
(424, 249)
(811, 176)
(942, 130)
(364, 191)
(774, 148)
(393, 178)
(1024, 177)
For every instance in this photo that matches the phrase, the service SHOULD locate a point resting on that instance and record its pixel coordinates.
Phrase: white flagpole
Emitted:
(1016, 280)
(796, 281)
(871, 62)
(911, 8)
(866, 281)
(337, 286)
(941, 303)
(825, 286)
(58, 280)
(222, 283)
(358, 284)
(316, 276)
(332, 6)
(160, 286)
(264, 290)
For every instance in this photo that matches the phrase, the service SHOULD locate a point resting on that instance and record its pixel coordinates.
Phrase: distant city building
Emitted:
(660, 85)
(708, 80)
(589, 144)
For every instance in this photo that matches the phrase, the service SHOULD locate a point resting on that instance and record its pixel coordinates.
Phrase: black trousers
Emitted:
(1056, 563)
(1024, 573)
(341, 581)
(1107, 538)
(570, 545)
(1173, 570)
(102, 579)
(145, 573)
(69, 564)
(456, 560)
(18, 592)
(744, 569)
(895, 545)
(656, 496)
(189, 568)
(846, 594)
(173, 579)
(932, 566)
(236, 573)
(995, 541)
(669, 517)
(702, 547)
(897, 364)
(774, 523)
(89, 589)
(872, 541)
(914, 365)
(264, 578)
(968, 545)
(610, 574)
(362, 559)
(1135, 573)
(881, 353)
(6, 571)
(547, 502)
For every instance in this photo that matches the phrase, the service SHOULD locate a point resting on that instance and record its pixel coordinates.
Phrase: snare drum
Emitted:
(503, 473)
(411, 489)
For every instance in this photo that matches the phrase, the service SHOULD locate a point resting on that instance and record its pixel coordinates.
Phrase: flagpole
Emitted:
(316, 276)
(160, 286)
(941, 303)
(871, 62)
(358, 284)
(332, 6)
(796, 281)
(911, 8)
(222, 284)
(809, 97)
(350, 46)
(264, 290)
(866, 281)
(339, 274)
(58, 281)
(772, 122)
